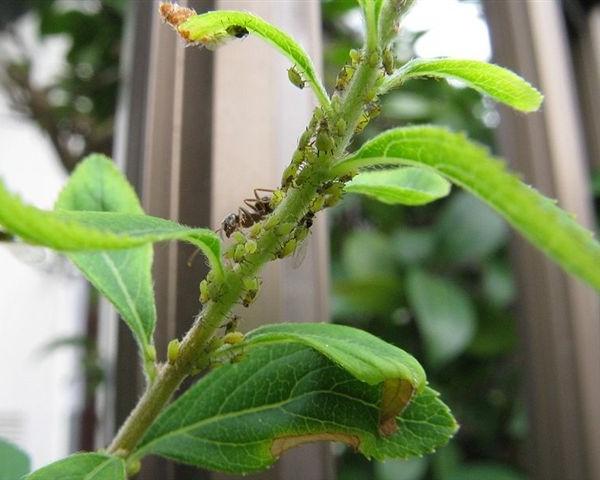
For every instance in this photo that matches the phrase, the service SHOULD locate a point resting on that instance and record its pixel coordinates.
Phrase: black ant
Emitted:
(254, 211)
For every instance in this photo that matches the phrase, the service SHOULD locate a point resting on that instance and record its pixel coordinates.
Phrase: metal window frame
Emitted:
(559, 315)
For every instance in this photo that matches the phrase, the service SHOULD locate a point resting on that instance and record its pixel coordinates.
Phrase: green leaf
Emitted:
(14, 462)
(412, 246)
(83, 466)
(367, 296)
(365, 356)
(469, 231)
(242, 416)
(89, 231)
(400, 186)
(368, 254)
(210, 29)
(471, 166)
(444, 315)
(499, 83)
(123, 276)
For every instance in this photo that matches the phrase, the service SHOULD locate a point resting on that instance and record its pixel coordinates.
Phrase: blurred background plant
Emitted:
(434, 280)
(75, 109)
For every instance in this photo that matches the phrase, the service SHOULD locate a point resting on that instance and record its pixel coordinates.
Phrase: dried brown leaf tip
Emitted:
(174, 14)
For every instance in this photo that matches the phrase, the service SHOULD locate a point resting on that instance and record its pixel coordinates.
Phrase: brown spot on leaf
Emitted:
(396, 395)
(282, 444)
(174, 14)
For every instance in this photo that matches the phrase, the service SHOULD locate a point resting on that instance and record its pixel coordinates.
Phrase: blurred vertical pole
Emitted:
(560, 316)
(258, 118)
(164, 143)
(195, 140)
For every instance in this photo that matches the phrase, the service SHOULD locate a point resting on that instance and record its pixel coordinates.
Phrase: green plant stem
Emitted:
(193, 349)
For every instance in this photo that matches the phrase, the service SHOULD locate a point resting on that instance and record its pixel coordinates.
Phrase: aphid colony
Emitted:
(316, 147)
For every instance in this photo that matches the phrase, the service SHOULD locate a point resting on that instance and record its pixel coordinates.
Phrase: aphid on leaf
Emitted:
(296, 78)
(237, 31)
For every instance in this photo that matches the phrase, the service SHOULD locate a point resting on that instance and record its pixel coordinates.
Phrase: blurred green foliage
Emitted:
(434, 280)
(76, 109)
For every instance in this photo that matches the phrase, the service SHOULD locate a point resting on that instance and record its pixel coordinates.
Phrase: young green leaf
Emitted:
(471, 166)
(213, 28)
(88, 231)
(499, 83)
(365, 356)
(444, 314)
(83, 466)
(241, 417)
(400, 186)
(124, 277)
(14, 462)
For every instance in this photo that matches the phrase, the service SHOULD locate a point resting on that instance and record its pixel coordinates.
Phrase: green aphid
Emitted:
(204, 296)
(373, 110)
(317, 204)
(305, 139)
(252, 283)
(388, 61)
(250, 293)
(324, 142)
(238, 237)
(333, 194)
(374, 60)
(250, 247)
(355, 57)
(255, 230)
(344, 77)
(300, 234)
(340, 127)
(371, 95)
(233, 338)
(239, 253)
(363, 121)
(298, 157)
(133, 467)
(173, 351)
(311, 156)
(296, 78)
(288, 248)
(276, 198)
(288, 175)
